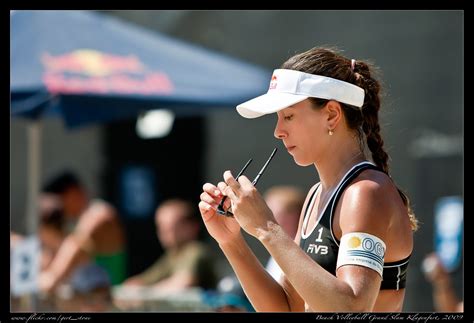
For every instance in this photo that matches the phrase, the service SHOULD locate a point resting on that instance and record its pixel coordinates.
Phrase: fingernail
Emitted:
(216, 192)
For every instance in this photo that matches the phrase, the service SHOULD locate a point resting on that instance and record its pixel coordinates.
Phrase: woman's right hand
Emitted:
(222, 228)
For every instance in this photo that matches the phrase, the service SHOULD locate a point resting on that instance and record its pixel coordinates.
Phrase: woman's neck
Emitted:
(331, 170)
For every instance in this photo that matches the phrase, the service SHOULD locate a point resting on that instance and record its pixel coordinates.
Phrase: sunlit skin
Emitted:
(307, 131)
(370, 204)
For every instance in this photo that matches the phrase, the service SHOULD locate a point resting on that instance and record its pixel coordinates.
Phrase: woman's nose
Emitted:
(279, 133)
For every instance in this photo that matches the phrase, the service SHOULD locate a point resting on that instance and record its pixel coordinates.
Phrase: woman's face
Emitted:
(301, 128)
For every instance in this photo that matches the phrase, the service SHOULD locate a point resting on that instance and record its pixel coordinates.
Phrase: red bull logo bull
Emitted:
(273, 82)
(91, 71)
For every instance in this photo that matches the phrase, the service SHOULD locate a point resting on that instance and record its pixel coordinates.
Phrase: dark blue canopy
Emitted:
(88, 67)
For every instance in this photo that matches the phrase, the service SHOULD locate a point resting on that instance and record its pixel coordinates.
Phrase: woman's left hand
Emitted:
(248, 206)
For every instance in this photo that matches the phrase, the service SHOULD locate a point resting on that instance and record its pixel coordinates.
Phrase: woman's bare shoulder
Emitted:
(370, 203)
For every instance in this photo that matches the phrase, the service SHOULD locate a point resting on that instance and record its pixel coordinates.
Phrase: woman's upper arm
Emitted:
(365, 214)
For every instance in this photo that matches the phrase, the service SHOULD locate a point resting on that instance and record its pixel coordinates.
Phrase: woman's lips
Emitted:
(290, 148)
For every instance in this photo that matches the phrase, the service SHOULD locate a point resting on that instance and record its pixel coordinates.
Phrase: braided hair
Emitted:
(365, 120)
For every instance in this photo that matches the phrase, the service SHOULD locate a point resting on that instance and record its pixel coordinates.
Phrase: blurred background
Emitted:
(421, 58)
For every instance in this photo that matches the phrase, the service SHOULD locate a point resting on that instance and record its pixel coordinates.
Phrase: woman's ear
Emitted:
(334, 113)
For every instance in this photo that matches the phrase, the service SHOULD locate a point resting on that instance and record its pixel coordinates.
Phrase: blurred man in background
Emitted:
(94, 233)
(51, 231)
(186, 261)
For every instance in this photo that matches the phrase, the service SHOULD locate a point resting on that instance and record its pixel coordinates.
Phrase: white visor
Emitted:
(288, 87)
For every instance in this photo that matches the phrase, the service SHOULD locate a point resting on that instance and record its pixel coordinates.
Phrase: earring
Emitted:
(331, 132)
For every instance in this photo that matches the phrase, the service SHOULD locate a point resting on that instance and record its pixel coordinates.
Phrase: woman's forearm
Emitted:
(320, 289)
(255, 280)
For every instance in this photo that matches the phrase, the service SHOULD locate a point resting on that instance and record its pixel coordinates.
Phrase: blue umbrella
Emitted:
(85, 67)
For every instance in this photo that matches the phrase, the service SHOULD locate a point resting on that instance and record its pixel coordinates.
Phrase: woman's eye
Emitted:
(289, 117)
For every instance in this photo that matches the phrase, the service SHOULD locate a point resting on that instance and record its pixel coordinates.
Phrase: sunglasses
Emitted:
(220, 208)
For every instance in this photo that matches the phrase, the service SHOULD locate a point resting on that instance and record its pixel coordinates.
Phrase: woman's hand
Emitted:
(248, 206)
(222, 228)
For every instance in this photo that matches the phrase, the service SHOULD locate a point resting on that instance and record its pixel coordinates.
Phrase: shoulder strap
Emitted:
(350, 176)
(309, 206)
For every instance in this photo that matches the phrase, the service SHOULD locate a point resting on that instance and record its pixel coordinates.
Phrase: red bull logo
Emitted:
(92, 62)
(91, 71)
(273, 82)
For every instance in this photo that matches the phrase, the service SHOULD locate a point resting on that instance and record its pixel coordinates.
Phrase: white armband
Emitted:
(363, 249)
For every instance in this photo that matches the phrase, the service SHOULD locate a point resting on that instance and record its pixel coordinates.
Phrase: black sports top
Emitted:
(322, 245)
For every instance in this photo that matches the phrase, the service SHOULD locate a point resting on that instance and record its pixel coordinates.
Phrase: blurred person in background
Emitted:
(286, 203)
(186, 261)
(50, 236)
(15, 238)
(16, 302)
(88, 290)
(51, 232)
(88, 287)
(444, 296)
(92, 287)
(355, 235)
(50, 228)
(94, 233)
